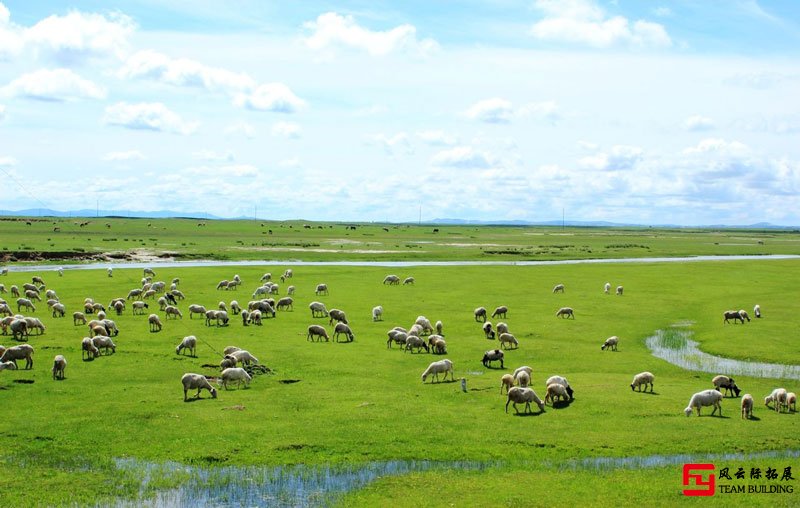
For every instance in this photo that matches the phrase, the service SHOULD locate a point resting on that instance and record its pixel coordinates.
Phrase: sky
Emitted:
(644, 112)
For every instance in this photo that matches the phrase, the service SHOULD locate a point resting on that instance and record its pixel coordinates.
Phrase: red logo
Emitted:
(691, 479)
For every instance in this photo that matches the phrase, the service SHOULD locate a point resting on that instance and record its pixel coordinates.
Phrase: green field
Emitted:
(351, 404)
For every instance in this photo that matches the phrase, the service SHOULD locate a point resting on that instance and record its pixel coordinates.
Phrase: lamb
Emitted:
(237, 374)
(15, 353)
(480, 314)
(227, 362)
(610, 343)
(59, 310)
(343, 328)
(172, 311)
(565, 312)
(24, 302)
(619, 290)
(558, 288)
(439, 327)
(757, 311)
(88, 347)
(487, 330)
(500, 312)
(318, 309)
(416, 330)
(519, 395)
(643, 378)
(725, 382)
(138, 308)
(556, 390)
(230, 349)
(392, 280)
(437, 345)
(222, 306)
(507, 382)
(78, 318)
(397, 336)
(522, 379)
(8, 365)
(747, 406)
(196, 309)
(51, 294)
(255, 317)
(507, 338)
(322, 289)
(155, 322)
(317, 331)
(778, 396)
(493, 355)
(732, 314)
(101, 341)
(408, 280)
(525, 369)
(337, 315)
(377, 313)
(436, 368)
(290, 290)
(704, 398)
(189, 343)
(199, 381)
(243, 357)
(235, 307)
(743, 315)
(502, 328)
(791, 401)
(427, 327)
(416, 342)
(563, 382)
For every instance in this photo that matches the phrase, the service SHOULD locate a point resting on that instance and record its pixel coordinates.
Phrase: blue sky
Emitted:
(626, 111)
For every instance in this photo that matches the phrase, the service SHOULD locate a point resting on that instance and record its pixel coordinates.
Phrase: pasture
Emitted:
(352, 403)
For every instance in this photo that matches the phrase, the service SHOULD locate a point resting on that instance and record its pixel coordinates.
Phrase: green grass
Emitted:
(361, 402)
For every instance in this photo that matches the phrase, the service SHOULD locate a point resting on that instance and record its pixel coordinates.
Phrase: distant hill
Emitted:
(161, 214)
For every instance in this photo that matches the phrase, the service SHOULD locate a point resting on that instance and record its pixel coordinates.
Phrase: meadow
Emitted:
(92, 438)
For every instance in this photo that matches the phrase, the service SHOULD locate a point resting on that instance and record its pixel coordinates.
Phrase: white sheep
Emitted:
(757, 311)
(318, 309)
(507, 382)
(149, 272)
(610, 343)
(619, 290)
(235, 307)
(561, 380)
(607, 288)
(391, 280)
(565, 312)
(322, 289)
(25, 302)
(500, 311)
(110, 272)
(230, 349)
(436, 344)
(254, 317)
(747, 406)
(191, 381)
(408, 280)
(523, 378)
(19, 352)
(487, 330)
(88, 347)
(155, 322)
(337, 315)
(791, 401)
(480, 314)
(556, 391)
(704, 398)
(78, 318)
(188, 343)
(396, 336)
(732, 314)
(317, 331)
(267, 276)
(102, 341)
(377, 313)
(246, 317)
(416, 342)
(290, 290)
(439, 327)
(9, 365)
(725, 382)
(526, 395)
(172, 311)
(342, 328)
(244, 357)
(525, 369)
(502, 328)
(35, 324)
(493, 355)
(138, 308)
(558, 288)
(778, 397)
(643, 378)
(19, 328)
(508, 339)
(436, 368)
(196, 309)
(237, 374)
(285, 303)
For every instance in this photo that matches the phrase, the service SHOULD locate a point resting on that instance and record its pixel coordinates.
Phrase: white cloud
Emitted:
(719, 147)
(375, 109)
(78, 36)
(547, 111)
(294, 162)
(275, 97)
(662, 12)
(696, 123)
(130, 155)
(333, 30)
(222, 172)
(11, 41)
(6, 161)
(153, 116)
(785, 124)
(288, 130)
(464, 157)
(494, 110)
(5, 15)
(399, 143)
(57, 85)
(584, 22)
(241, 129)
(619, 158)
(212, 156)
(437, 138)
(184, 72)
(2, 112)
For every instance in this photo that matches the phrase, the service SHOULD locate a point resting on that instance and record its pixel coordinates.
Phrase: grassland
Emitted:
(361, 402)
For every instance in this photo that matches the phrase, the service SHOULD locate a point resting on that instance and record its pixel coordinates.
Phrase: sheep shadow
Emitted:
(754, 418)
(526, 414)
(562, 404)
(195, 399)
(432, 383)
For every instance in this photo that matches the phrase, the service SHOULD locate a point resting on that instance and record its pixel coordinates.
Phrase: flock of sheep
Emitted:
(421, 335)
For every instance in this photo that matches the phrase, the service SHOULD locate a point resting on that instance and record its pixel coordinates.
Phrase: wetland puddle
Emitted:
(676, 347)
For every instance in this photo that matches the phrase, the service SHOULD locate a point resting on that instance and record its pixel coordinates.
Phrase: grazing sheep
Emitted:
(2, 288)
(500, 312)
(487, 330)
(14, 291)
(235, 307)
(565, 312)
(178, 294)
(791, 401)
(230, 349)
(643, 378)
(436, 344)
(507, 382)
(778, 396)
(317, 331)
(439, 327)
(526, 395)
(318, 309)
(610, 343)
(135, 294)
(414, 342)
(525, 369)
(59, 366)
(507, 338)
(172, 311)
(556, 390)
(138, 308)
(246, 317)
(408, 280)
(191, 381)
(377, 313)
(558, 288)
(392, 280)
(255, 317)
(223, 284)
(51, 294)
(285, 303)
(237, 374)
(37, 280)
(322, 289)
(290, 290)
(110, 272)
(561, 380)
(155, 322)
(5, 310)
(88, 348)
(243, 357)
(743, 315)
(59, 310)
(732, 314)
(15, 353)
(19, 329)
(149, 272)
(78, 318)
(725, 382)
(480, 314)
(493, 355)
(222, 318)
(8, 365)
(101, 341)
(757, 311)
(222, 306)
(188, 343)
(227, 362)
(502, 328)
(267, 276)
(343, 328)
(196, 309)
(24, 302)
(522, 379)
(118, 307)
(427, 327)
(747, 406)
(396, 336)
(704, 398)
(337, 315)
(34, 324)
(619, 290)
(33, 295)
(436, 368)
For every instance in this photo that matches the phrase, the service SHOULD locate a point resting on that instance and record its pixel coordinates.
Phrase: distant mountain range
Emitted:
(165, 214)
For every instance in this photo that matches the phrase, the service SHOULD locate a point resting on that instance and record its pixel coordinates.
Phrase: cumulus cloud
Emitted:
(462, 157)
(289, 130)
(275, 97)
(583, 22)
(241, 129)
(130, 155)
(58, 85)
(154, 116)
(183, 72)
(696, 123)
(11, 40)
(437, 138)
(334, 30)
(786, 124)
(719, 147)
(498, 110)
(212, 156)
(619, 158)
(547, 111)
(397, 144)
(2, 112)
(7, 162)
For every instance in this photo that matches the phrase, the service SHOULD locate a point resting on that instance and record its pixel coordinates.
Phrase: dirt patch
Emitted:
(238, 407)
